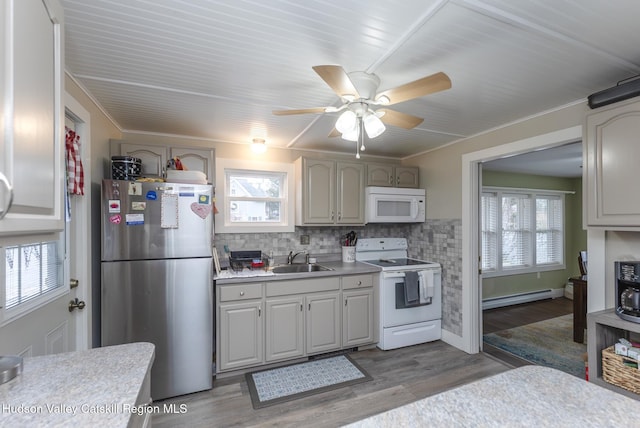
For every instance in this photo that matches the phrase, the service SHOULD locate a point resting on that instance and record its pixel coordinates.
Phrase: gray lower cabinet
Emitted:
(285, 328)
(357, 313)
(357, 310)
(301, 317)
(323, 322)
(240, 326)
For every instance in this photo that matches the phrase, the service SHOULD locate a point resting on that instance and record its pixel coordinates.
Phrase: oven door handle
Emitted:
(386, 275)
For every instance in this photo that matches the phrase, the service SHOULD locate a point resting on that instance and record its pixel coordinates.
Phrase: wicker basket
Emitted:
(616, 373)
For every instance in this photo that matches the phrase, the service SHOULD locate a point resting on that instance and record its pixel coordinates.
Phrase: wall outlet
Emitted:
(304, 239)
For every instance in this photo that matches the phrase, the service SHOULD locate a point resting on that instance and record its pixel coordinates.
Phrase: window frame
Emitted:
(533, 266)
(222, 223)
(8, 315)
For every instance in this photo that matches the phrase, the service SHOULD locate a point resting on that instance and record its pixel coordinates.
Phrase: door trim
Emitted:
(82, 223)
(471, 296)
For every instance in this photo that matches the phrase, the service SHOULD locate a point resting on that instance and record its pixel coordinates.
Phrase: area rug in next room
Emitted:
(546, 343)
(268, 387)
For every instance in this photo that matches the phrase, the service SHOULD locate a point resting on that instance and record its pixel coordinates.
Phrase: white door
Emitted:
(45, 325)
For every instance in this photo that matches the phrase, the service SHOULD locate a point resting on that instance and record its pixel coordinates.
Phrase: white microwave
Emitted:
(394, 205)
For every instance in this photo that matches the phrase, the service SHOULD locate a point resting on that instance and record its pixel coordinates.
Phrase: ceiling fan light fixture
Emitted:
(346, 122)
(351, 135)
(373, 125)
(383, 100)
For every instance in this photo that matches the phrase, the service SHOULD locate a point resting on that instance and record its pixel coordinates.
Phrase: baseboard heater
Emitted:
(514, 299)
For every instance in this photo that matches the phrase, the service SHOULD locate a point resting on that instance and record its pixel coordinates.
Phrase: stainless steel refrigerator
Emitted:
(157, 278)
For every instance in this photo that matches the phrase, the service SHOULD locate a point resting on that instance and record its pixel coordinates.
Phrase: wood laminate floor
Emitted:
(400, 376)
(526, 313)
(518, 315)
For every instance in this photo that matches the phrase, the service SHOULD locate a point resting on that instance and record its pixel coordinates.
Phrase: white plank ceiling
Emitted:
(215, 69)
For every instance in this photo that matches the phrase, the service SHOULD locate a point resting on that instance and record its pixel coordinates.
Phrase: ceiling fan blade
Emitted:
(418, 88)
(337, 79)
(401, 120)
(299, 111)
(334, 133)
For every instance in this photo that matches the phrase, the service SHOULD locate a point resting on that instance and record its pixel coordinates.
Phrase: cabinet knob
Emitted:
(359, 282)
(242, 293)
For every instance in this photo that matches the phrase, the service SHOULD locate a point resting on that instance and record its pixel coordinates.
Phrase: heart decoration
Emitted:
(201, 210)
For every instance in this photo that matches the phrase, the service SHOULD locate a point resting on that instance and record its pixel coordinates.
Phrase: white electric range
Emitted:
(406, 318)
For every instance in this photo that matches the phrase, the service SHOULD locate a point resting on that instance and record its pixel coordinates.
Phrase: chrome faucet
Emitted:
(292, 256)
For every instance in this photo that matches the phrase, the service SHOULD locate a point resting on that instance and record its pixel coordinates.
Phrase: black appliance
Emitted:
(627, 88)
(628, 290)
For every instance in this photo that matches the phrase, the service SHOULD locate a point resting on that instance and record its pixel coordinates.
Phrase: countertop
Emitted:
(96, 387)
(526, 396)
(338, 268)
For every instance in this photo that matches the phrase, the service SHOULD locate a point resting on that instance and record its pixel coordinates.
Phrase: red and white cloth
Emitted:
(75, 172)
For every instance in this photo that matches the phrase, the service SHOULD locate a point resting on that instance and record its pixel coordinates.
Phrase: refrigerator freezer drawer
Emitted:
(170, 304)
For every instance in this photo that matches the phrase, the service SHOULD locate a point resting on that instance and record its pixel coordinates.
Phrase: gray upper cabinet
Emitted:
(392, 176)
(154, 157)
(329, 192)
(196, 159)
(31, 89)
(611, 160)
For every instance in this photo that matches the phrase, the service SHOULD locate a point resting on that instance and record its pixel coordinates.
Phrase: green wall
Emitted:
(575, 236)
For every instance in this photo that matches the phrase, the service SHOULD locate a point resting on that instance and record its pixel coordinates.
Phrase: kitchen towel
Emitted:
(427, 287)
(411, 288)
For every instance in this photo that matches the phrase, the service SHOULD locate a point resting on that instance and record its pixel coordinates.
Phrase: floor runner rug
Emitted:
(273, 386)
(546, 343)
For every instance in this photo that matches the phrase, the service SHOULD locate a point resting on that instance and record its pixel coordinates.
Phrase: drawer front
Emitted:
(357, 281)
(297, 286)
(240, 292)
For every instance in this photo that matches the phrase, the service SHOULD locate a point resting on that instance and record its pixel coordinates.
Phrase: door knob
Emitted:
(76, 304)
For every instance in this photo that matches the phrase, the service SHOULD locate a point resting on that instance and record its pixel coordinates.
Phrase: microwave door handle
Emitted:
(414, 208)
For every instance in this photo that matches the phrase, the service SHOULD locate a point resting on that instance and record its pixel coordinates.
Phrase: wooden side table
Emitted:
(579, 307)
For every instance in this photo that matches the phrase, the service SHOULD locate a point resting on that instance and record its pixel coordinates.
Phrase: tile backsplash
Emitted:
(435, 240)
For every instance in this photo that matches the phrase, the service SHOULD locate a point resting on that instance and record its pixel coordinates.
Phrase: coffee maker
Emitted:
(628, 290)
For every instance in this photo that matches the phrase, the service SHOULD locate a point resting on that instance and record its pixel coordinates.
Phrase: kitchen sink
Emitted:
(300, 268)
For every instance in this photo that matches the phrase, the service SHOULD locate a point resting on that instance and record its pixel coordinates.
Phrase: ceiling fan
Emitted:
(360, 98)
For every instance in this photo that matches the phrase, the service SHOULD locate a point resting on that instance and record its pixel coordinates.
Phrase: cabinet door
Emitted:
(407, 176)
(318, 194)
(350, 193)
(196, 160)
(241, 335)
(323, 322)
(357, 317)
(380, 175)
(32, 111)
(153, 157)
(612, 155)
(284, 328)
